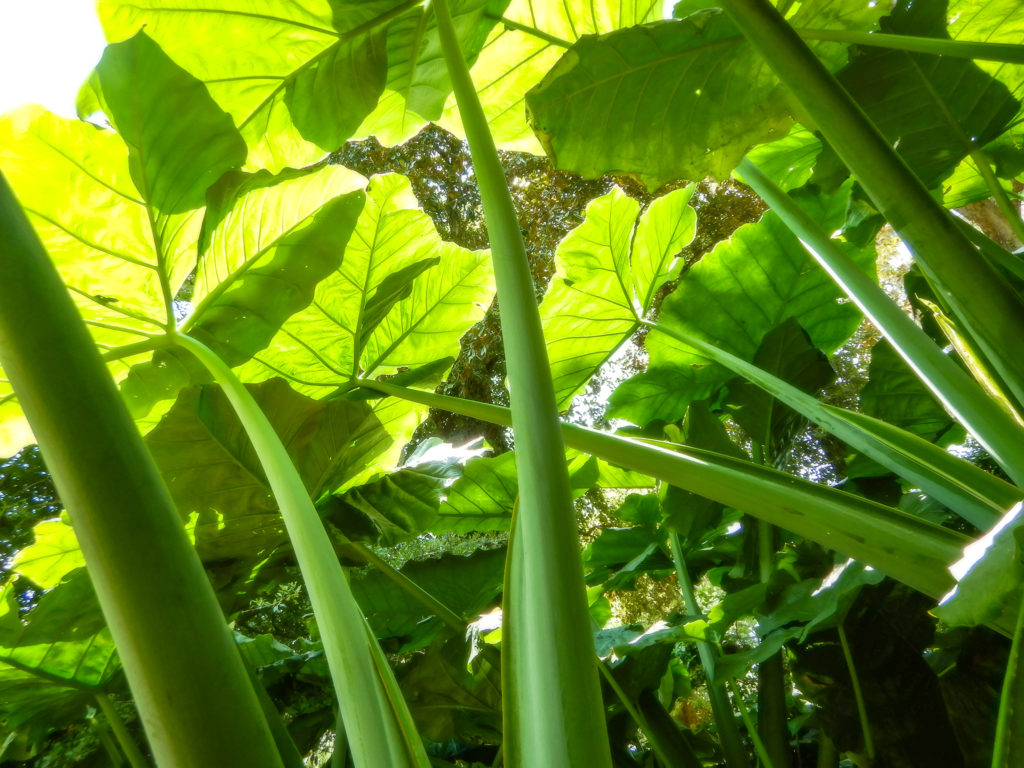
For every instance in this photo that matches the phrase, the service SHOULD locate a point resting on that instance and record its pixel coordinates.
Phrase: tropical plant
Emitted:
(222, 342)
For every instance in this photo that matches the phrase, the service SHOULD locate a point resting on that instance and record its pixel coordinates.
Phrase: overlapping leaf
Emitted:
(52, 662)
(936, 109)
(732, 298)
(299, 79)
(608, 271)
(121, 215)
(527, 42)
(401, 298)
(212, 469)
(613, 103)
(483, 498)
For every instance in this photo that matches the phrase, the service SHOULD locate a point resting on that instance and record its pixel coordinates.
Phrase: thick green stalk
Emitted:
(1009, 742)
(728, 734)
(128, 746)
(179, 657)
(959, 49)
(959, 394)
(858, 695)
(828, 757)
(377, 722)
(554, 686)
(988, 307)
(748, 722)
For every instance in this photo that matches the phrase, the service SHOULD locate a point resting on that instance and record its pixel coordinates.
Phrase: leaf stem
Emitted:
(376, 720)
(1009, 745)
(124, 739)
(961, 49)
(858, 694)
(553, 686)
(732, 746)
(762, 753)
(974, 494)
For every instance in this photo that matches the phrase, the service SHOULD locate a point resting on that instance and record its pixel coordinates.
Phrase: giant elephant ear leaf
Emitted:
(119, 213)
(608, 271)
(122, 215)
(733, 297)
(615, 101)
(301, 77)
(401, 298)
(57, 657)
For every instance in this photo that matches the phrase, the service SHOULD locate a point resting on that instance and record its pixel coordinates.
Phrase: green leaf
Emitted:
(788, 161)
(267, 241)
(298, 80)
(120, 214)
(935, 108)
(400, 298)
(64, 639)
(467, 585)
(989, 578)
(614, 102)
(895, 395)
(608, 271)
(53, 554)
(53, 660)
(483, 498)
(748, 285)
(212, 470)
(528, 40)
(394, 508)
(452, 698)
(786, 352)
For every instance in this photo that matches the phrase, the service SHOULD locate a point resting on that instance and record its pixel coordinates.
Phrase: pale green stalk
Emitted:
(971, 492)
(552, 685)
(952, 386)
(729, 735)
(989, 309)
(128, 746)
(905, 547)
(377, 722)
(959, 49)
(180, 660)
(760, 751)
(1009, 741)
(858, 695)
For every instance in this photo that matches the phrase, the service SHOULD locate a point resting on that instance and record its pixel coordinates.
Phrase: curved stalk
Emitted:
(178, 655)
(858, 695)
(378, 726)
(729, 735)
(1009, 742)
(989, 309)
(954, 388)
(552, 684)
(905, 547)
(128, 746)
(748, 722)
(971, 492)
(959, 49)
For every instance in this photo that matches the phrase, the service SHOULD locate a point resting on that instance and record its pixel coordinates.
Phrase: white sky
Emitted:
(47, 49)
